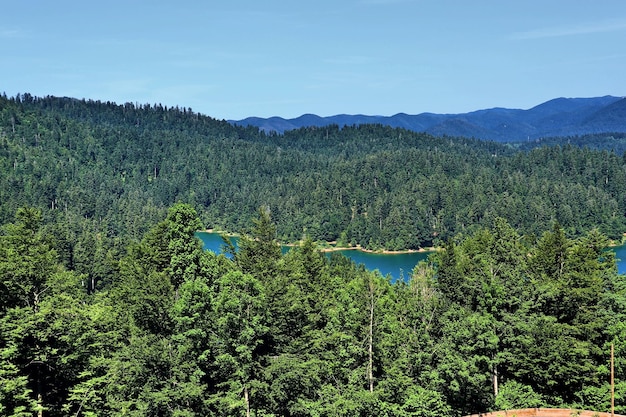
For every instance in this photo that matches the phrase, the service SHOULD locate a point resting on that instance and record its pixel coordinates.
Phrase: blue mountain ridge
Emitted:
(557, 117)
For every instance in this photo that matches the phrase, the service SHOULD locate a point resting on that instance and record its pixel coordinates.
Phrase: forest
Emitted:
(115, 169)
(494, 321)
(109, 306)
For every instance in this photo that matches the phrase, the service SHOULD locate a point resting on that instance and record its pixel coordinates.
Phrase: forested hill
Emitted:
(116, 168)
(109, 306)
(558, 117)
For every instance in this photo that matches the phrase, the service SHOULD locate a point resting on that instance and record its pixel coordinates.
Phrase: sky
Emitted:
(238, 58)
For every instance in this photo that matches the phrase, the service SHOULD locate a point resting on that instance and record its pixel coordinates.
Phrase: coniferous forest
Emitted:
(109, 306)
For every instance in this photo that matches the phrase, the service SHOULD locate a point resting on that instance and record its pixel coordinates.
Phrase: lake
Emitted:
(395, 265)
(620, 254)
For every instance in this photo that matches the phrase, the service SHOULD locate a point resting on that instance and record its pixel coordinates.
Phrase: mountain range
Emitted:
(557, 117)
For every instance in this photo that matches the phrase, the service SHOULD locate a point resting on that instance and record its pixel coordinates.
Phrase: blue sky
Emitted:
(238, 58)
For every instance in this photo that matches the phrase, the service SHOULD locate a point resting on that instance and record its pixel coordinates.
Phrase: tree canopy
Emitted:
(109, 306)
(494, 320)
(115, 169)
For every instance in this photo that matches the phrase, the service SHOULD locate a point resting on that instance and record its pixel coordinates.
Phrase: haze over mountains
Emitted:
(557, 117)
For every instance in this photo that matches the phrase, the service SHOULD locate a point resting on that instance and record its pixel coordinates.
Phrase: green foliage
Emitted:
(43, 341)
(115, 169)
(108, 305)
(425, 403)
(184, 251)
(16, 399)
(259, 252)
(27, 261)
(514, 395)
(493, 320)
(529, 315)
(239, 326)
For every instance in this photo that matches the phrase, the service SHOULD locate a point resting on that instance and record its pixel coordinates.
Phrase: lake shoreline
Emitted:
(329, 246)
(396, 263)
(381, 251)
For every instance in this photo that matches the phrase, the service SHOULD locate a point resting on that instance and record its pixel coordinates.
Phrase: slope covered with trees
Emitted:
(108, 305)
(108, 171)
(493, 321)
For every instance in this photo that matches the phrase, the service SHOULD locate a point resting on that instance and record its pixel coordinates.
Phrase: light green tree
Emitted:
(239, 325)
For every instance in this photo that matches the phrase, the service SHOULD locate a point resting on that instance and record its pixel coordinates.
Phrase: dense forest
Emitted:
(493, 321)
(116, 169)
(109, 306)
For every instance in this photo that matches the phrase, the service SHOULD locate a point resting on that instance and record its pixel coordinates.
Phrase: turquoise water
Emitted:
(213, 241)
(396, 265)
(620, 254)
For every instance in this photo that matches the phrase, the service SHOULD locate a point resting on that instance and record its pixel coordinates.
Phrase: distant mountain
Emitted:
(611, 117)
(557, 117)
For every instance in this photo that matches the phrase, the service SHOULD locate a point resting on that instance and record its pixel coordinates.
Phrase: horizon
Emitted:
(279, 59)
(427, 112)
(181, 107)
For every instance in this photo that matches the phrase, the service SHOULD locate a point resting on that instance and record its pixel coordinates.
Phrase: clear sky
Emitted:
(231, 59)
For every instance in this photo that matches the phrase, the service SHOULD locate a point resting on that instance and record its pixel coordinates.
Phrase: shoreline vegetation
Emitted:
(413, 185)
(332, 246)
(613, 243)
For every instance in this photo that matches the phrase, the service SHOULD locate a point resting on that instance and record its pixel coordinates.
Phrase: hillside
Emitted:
(109, 306)
(558, 117)
(121, 166)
